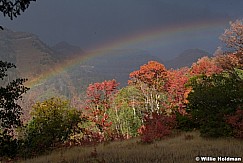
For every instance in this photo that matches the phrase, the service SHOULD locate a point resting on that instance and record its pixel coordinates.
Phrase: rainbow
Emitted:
(163, 32)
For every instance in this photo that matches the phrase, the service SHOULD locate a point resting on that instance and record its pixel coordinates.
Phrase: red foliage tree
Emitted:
(230, 61)
(153, 74)
(175, 86)
(177, 92)
(206, 66)
(100, 94)
(99, 98)
(150, 79)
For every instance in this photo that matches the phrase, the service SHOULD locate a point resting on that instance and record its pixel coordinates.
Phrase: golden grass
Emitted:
(175, 149)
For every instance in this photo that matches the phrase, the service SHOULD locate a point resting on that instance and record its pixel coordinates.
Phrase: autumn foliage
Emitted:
(177, 92)
(205, 66)
(99, 99)
(152, 74)
(233, 37)
(230, 61)
(151, 79)
(236, 121)
(156, 126)
(99, 94)
(206, 96)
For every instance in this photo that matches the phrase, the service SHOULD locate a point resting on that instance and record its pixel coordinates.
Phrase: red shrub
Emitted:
(236, 121)
(156, 127)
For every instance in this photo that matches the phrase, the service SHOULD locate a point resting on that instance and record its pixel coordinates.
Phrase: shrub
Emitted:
(184, 122)
(52, 122)
(9, 146)
(156, 127)
(236, 121)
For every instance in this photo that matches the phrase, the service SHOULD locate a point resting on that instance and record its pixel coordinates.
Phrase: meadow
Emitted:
(183, 147)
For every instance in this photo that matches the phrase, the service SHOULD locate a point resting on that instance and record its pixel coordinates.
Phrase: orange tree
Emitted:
(177, 92)
(151, 79)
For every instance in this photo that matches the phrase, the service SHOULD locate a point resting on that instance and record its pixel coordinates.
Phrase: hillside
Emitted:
(64, 50)
(34, 59)
(186, 58)
(31, 56)
(114, 64)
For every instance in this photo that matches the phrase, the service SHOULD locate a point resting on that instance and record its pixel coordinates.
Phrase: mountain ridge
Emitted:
(34, 58)
(186, 58)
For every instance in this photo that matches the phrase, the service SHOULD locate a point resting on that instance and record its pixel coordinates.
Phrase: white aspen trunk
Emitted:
(133, 106)
(151, 102)
(118, 120)
(157, 102)
(147, 103)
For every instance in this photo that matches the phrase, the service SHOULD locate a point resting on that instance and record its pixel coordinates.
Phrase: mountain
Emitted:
(115, 64)
(31, 56)
(34, 59)
(186, 58)
(64, 50)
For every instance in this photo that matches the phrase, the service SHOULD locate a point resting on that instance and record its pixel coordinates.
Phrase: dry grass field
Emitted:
(182, 148)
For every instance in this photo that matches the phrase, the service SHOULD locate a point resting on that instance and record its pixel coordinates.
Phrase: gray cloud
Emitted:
(88, 23)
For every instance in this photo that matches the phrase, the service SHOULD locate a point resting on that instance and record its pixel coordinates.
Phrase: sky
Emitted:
(164, 28)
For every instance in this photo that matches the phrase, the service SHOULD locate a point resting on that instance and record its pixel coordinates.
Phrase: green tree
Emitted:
(212, 98)
(52, 122)
(126, 113)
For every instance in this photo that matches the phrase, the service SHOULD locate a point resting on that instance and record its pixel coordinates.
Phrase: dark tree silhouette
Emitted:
(10, 111)
(13, 8)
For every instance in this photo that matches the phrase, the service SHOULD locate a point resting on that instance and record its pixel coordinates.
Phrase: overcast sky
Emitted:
(92, 23)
